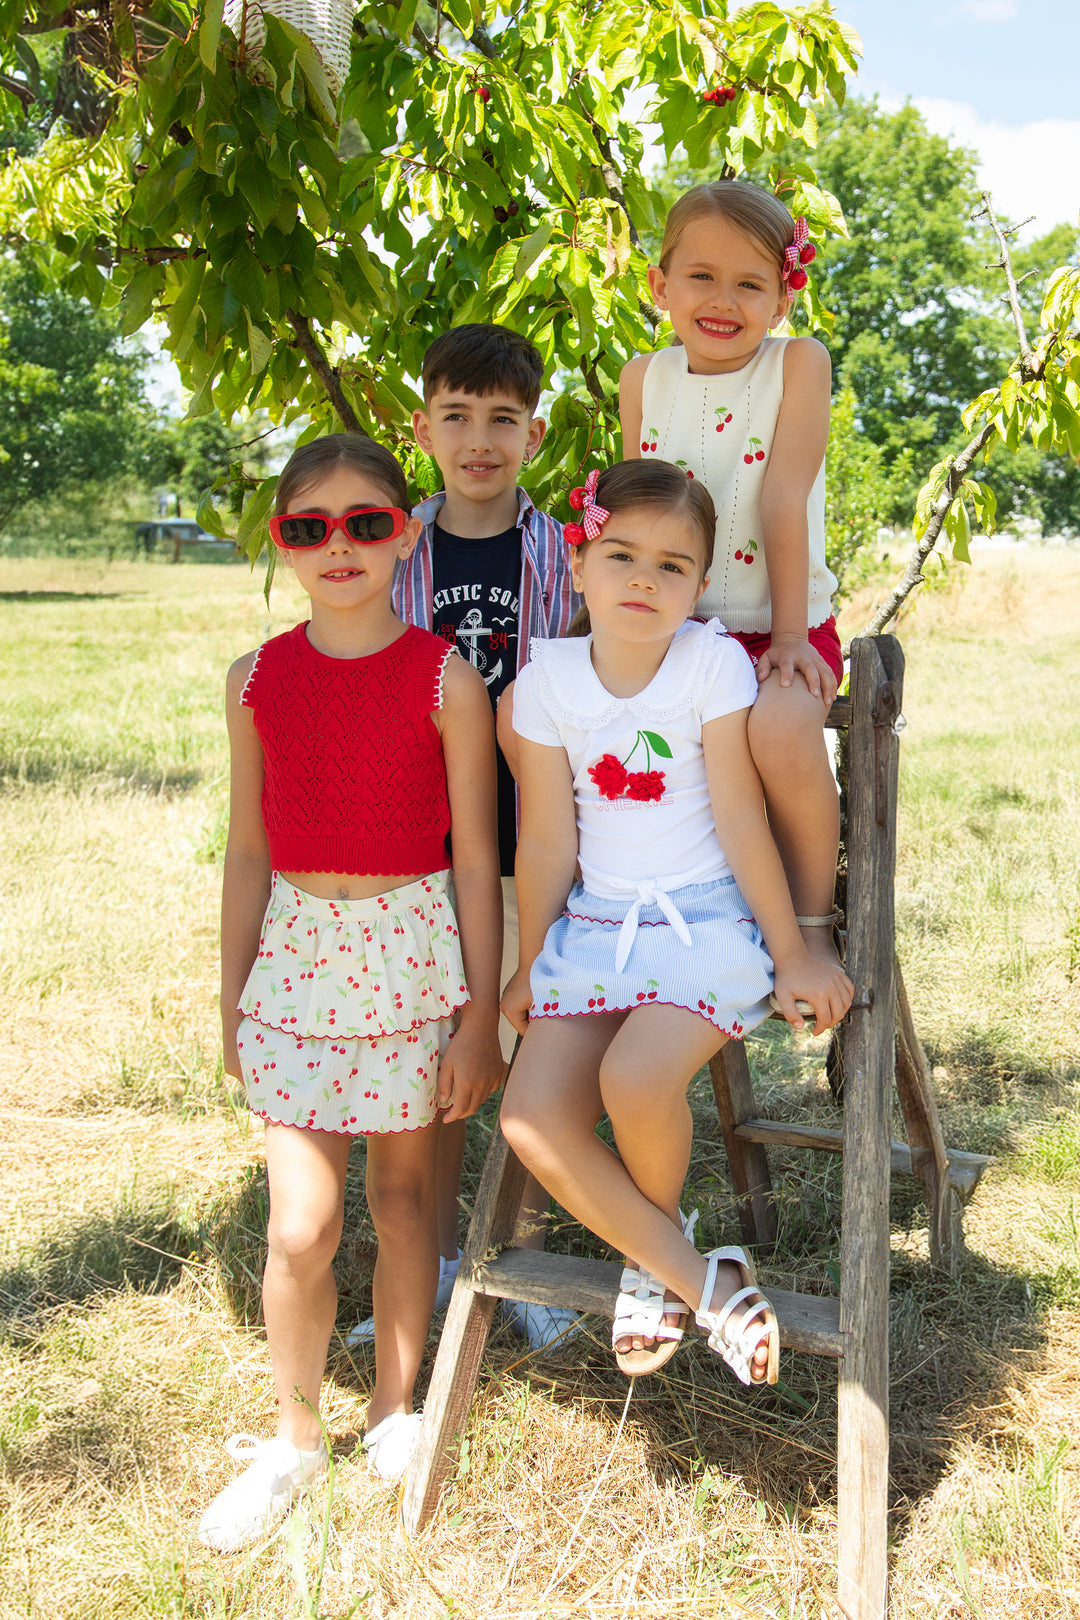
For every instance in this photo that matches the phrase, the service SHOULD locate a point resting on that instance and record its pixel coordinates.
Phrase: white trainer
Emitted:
(391, 1443)
(541, 1326)
(263, 1494)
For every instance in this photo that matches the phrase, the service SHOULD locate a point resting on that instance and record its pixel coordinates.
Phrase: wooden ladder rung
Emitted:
(965, 1169)
(808, 1322)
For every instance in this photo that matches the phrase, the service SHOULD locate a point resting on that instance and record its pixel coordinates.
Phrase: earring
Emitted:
(526, 458)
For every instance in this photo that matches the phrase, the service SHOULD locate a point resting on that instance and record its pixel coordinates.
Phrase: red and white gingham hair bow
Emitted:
(584, 500)
(801, 251)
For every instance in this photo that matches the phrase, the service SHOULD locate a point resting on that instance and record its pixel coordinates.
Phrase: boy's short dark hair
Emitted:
(483, 359)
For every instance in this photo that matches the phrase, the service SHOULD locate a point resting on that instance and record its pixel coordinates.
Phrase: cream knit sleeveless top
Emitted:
(720, 428)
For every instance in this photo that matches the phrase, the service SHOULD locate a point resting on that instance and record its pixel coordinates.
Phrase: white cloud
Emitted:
(1029, 169)
(989, 11)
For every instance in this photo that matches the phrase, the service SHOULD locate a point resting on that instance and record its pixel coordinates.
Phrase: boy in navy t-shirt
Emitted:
(488, 573)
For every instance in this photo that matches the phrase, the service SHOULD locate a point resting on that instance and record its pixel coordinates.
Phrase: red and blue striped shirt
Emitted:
(547, 600)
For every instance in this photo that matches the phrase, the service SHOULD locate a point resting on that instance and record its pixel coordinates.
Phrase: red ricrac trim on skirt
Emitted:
(375, 1035)
(321, 1130)
(632, 1006)
(643, 922)
(617, 922)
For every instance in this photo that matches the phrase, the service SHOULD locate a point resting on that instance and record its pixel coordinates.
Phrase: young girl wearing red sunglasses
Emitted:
(358, 744)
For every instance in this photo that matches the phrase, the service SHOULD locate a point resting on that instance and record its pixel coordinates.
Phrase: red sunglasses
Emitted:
(368, 525)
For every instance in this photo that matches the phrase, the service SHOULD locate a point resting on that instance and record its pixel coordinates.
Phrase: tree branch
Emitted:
(15, 87)
(1027, 359)
(1030, 371)
(483, 42)
(612, 177)
(320, 365)
(912, 574)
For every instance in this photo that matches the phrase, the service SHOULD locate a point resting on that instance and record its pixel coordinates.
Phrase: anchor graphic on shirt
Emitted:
(471, 628)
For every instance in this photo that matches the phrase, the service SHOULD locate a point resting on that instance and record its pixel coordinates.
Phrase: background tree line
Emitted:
(916, 326)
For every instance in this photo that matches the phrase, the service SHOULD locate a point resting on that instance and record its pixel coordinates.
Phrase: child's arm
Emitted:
(245, 887)
(739, 810)
(505, 735)
(545, 863)
(631, 383)
(798, 449)
(473, 1066)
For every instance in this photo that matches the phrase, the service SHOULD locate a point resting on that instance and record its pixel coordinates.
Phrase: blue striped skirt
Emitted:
(725, 973)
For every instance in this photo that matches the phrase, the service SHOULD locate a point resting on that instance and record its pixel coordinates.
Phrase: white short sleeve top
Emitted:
(642, 798)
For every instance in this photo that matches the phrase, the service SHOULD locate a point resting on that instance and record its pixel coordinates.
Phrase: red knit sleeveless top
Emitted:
(354, 779)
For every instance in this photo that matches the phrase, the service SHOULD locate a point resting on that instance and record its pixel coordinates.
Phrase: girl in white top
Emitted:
(748, 414)
(634, 763)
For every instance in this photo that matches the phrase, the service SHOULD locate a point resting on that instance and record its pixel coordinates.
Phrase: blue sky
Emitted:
(1001, 76)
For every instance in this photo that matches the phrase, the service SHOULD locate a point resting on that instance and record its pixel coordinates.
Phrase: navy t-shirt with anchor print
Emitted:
(476, 585)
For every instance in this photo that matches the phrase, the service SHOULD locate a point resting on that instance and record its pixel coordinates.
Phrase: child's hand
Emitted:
(230, 1024)
(823, 984)
(471, 1070)
(794, 654)
(516, 1001)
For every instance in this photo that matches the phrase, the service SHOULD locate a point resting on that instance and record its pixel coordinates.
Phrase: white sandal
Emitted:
(641, 1308)
(736, 1342)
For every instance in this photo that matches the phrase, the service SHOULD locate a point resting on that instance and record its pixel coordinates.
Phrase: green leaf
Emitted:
(260, 346)
(138, 300)
(210, 33)
(251, 530)
(958, 528)
(657, 744)
(531, 249)
(564, 167)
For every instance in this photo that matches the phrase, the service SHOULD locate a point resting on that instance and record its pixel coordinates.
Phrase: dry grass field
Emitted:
(132, 1198)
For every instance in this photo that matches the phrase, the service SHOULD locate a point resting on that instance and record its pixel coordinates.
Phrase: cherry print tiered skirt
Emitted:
(725, 973)
(349, 1008)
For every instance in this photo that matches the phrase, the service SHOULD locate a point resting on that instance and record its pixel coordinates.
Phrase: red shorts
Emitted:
(823, 638)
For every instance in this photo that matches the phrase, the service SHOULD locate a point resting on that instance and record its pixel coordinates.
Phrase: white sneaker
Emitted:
(391, 1443)
(364, 1331)
(541, 1326)
(262, 1494)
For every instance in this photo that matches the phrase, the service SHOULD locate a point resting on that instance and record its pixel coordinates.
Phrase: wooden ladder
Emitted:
(879, 1042)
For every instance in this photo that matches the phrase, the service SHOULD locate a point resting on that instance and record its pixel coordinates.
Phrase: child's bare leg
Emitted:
(307, 1190)
(448, 1160)
(549, 1116)
(401, 1198)
(787, 741)
(643, 1087)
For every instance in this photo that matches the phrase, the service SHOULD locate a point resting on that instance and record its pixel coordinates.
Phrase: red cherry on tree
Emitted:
(484, 93)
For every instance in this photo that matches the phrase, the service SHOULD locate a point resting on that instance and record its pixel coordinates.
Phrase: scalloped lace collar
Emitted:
(574, 693)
